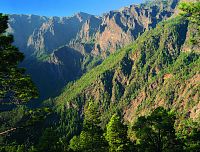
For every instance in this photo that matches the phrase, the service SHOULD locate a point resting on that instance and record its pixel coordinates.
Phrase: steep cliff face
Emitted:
(37, 35)
(93, 37)
(90, 28)
(56, 32)
(22, 26)
(119, 28)
(55, 71)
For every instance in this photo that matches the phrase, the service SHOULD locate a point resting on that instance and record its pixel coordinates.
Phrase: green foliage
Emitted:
(156, 132)
(49, 141)
(74, 90)
(189, 133)
(91, 138)
(43, 57)
(10, 119)
(25, 123)
(116, 135)
(192, 12)
(193, 140)
(151, 3)
(90, 62)
(69, 124)
(76, 143)
(87, 142)
(92, 116)
(32, 117)
(15, 86)
(13, 148)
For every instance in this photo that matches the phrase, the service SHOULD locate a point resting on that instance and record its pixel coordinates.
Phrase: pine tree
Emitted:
(49, 141)
(91, 137)
(15, 86)
(156, 133)
(116, 135)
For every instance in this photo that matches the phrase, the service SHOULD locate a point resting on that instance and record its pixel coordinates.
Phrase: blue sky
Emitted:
(62, 7)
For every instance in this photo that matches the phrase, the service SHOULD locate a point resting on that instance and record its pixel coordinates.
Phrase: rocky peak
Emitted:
(55, 32)
(82, 16)
(120, 27)
(89, 29)
(22, 26)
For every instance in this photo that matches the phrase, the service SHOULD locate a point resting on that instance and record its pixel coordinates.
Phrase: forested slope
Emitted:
(159, 69)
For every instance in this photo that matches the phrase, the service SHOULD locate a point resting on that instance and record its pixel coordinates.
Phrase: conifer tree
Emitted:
(91, 137)
(116, 135)
(15, 86)
(156, 133)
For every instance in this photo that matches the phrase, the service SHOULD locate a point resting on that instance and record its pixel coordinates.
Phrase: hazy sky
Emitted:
(62, 7)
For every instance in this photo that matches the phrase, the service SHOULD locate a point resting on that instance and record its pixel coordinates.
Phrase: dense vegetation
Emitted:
(118, 105)
(154, 133)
